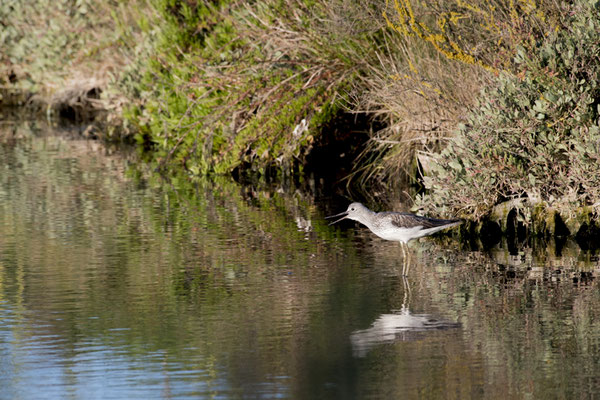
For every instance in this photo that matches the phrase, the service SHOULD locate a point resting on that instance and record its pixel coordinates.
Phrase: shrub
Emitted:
(440, 54)
(62, 54)
(535, 134)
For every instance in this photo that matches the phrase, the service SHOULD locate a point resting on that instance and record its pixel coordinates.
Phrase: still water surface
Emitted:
(114, 287)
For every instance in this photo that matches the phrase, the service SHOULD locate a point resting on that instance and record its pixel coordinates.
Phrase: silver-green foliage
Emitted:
(535, 134)
(39, 37)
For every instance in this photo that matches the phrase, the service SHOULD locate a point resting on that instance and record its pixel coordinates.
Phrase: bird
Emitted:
(395, 226)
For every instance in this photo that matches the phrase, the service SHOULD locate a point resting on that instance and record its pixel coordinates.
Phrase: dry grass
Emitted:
(420, 96)
(435, 58)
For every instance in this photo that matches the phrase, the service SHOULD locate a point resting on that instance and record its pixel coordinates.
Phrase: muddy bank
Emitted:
(522, 220)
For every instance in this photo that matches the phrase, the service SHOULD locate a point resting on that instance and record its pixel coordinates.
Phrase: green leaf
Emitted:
(455, 165)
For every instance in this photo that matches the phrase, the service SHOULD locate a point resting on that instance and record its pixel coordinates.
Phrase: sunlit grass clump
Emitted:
(234, 88)
(439, 54)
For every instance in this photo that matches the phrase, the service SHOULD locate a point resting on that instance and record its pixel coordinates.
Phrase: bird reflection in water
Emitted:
(397, 326)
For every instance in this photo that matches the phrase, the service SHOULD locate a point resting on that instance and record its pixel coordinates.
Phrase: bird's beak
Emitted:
(344, 215)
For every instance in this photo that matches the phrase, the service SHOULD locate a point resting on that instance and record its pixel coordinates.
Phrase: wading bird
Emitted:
(395, 226)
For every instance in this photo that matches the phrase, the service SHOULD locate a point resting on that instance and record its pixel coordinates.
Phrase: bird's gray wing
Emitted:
(405, 220)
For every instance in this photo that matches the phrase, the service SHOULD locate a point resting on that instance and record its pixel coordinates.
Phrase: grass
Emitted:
(248, 92)
(438, 56)
(232, 88)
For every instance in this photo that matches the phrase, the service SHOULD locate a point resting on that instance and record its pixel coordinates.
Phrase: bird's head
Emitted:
(354, 212)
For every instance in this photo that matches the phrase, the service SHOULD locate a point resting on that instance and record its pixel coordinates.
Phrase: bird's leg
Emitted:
(408, 258)
(403, 259)
(406, 301)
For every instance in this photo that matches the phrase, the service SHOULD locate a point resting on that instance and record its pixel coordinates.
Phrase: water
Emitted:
(113, 287)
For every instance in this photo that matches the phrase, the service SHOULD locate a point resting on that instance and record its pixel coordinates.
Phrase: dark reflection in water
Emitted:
(112, 286)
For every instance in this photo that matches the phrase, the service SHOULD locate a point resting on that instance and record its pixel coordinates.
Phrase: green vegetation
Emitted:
(534, 134)
(442, 53)
(65, 57)
(497, 100)
(238, 87)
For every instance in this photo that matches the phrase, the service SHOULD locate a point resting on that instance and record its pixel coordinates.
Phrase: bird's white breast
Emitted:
(392, 232)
